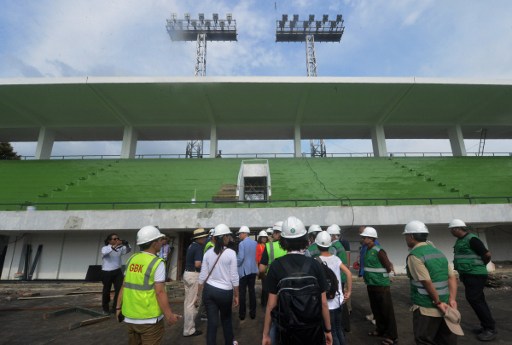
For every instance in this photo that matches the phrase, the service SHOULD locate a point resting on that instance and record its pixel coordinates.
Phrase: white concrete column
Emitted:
(129, 142)
(213, 141)
(45, 143)
(296, 141)
(457, 141)
(379, 141)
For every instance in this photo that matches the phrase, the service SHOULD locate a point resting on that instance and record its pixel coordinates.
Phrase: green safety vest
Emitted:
(437, 266)
(207, 246)
(465, 260)
(313, 250)
(139, 297)
(337, 249)
(274, 251)
(374, 273)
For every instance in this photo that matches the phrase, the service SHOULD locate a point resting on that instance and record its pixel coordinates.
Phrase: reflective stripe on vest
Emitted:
(477, 259)
(145, 285)
(441, 287)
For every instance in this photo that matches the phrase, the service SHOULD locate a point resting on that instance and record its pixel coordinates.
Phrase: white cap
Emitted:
(323, 239)
(415, 227)
(244, 229)
(147, 234)
(457, 223)
(334, 229)
(369, 232)
(314, 228)
(293, 228)
(221, 229)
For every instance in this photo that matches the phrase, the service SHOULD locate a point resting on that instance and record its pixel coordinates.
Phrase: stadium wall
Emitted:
(72, 239)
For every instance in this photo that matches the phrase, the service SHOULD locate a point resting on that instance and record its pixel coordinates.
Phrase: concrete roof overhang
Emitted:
(95, 108)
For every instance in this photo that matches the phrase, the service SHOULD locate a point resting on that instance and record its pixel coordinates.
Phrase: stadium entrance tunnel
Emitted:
(254, 181)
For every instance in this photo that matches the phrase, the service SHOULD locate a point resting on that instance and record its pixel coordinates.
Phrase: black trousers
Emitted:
(247, 283)
(382, 309)
(431, 330)
(218, 302)
(108, 278)
(474, 285)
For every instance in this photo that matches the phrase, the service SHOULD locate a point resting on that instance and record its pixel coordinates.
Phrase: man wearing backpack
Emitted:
(297, 302)
(335, 295)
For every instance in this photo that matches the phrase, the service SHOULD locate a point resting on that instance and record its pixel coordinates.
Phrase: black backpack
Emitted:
(332, 280)
(298, 313)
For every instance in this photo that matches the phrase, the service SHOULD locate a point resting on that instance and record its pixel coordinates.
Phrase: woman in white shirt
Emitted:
(219, 276)
(323, 241)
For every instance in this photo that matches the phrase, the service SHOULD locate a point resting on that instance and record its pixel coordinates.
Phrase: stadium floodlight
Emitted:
(187, 17)
(229, 18)
(201, 17)
(339, 18)
(296, 30)
(174, 17)
(221, 24)
(215, 18)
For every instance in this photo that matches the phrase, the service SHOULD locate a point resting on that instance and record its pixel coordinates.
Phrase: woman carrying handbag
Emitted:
(218, 283)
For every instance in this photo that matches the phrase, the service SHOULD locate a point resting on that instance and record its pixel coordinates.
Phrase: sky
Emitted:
(382, 38)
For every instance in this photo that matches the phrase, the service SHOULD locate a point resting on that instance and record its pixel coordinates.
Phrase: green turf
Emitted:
(172, 183)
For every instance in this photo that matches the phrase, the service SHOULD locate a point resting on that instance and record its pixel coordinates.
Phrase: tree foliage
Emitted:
(7, 152)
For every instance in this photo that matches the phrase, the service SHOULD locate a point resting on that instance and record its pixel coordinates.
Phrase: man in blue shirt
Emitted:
(247, 270)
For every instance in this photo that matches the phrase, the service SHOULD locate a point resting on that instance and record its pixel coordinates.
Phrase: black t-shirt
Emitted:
(194, 253)
(276, 272)
(477, 246)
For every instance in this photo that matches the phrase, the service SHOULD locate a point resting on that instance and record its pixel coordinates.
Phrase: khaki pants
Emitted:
(189, 309)
(147, 334)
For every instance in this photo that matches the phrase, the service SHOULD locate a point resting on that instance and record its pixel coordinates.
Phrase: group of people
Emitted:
(306, 283)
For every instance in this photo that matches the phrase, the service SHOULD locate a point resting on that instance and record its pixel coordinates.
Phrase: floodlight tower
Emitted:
(200, 30)
(309, 31)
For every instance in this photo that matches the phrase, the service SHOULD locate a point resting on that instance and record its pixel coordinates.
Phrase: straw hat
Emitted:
(199, 233)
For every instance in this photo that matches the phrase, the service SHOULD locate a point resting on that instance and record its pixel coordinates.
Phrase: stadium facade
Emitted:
(133, 109)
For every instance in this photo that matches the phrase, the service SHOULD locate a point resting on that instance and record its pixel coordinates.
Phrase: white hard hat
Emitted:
(269, 231)
(262, 233)
(278, 226)
(415, 227)
(457, 223)
(244, 229)
(314, 228)
(221, 229)
(369, 232)
(323, 239)
(211, 232)
(334, 229)
(147, 234)
(293, 228)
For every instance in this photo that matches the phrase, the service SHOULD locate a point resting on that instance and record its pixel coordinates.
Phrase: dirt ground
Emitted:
(23, 320)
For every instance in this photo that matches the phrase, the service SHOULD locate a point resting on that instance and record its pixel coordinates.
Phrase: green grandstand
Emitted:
(172, 183)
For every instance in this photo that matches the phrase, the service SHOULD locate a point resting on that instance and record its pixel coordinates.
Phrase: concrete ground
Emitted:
(23, 323)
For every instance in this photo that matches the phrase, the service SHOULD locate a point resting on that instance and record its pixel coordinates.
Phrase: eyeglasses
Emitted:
(115, 238)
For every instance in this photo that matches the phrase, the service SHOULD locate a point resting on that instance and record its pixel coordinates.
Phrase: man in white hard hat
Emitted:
(247, 271)
(273, 251)
(313, 231)
(433, 288)
(144, 302)
(193, 260)
(376, 277)
(470, 260)
(288, 274)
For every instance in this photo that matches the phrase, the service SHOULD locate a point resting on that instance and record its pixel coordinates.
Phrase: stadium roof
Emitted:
(95, 108)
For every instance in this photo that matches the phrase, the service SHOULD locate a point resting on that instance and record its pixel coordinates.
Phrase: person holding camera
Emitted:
(111, 272)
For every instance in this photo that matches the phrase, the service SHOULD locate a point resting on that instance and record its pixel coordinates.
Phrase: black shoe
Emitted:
(242, 318)
(253, 316)
(487, 335)
(194, 334)
(477, 330)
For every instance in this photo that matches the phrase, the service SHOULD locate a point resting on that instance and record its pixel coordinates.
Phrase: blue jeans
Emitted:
(218, 301)
(338, 338)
